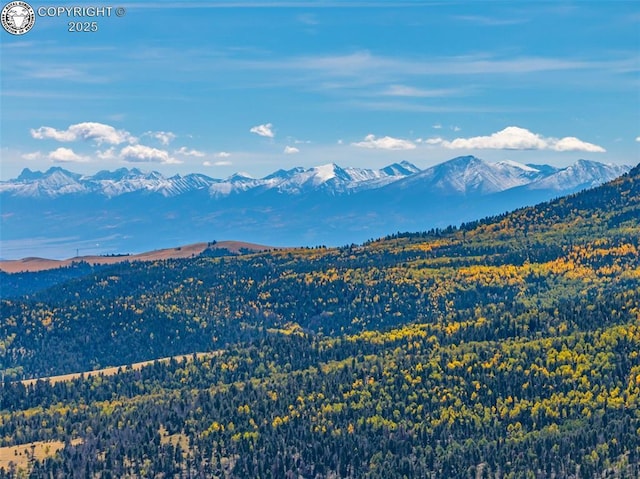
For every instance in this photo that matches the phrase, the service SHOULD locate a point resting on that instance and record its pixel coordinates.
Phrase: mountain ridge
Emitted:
(462, 174)
(221, 248)
(53, 214)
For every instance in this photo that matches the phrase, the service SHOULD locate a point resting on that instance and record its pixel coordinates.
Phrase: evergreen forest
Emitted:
(507, 347)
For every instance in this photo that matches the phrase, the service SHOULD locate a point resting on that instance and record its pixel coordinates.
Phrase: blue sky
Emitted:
(220, 87)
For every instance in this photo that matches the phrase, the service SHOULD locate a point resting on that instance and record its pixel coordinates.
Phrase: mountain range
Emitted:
(58, 212)
(462, 175)
(330, 178)
(503, 348)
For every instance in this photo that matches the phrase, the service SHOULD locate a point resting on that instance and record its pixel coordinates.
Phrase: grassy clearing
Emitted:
(110, 371)
(21, 455)
(174, 439)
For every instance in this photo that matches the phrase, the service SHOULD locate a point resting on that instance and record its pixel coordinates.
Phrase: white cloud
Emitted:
(516, 138)
(165, 137)
(263, 130)
(511, 138)
(187, 152)
(637, 138)
(217, 163)
(571, 143)
(48, 132)
(223, 154)
(108, 154)
(409, 91)
(437, 126)
(32, 156)
(434, 141)
(456, 128)
(66, 155)
(99, 132)
(146, 154)
(385, 143)
(290, 150)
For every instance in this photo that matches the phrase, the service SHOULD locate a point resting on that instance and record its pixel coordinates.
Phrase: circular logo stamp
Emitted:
(18, 18)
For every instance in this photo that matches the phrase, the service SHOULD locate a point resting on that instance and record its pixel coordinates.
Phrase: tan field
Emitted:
(110, 371)
(41, 264)
(21, 454)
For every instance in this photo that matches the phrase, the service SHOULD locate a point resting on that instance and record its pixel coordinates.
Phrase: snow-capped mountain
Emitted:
(124, 181)
(330, 178)
(471, 176)
(54, 182)
(403, 168)
(468, 175)
(56, 212)
(57, 182)
(582, 174)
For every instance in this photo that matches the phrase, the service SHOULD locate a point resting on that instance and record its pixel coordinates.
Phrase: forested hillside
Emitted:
(507, 347)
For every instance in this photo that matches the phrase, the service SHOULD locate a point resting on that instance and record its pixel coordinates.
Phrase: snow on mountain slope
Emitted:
(129, 210)
(582, 174)
(238, 182)
(468, 175)
(54, 182)
(404, 168)
(465, 175)
(127, 181)
(329, 178)
(57, 182)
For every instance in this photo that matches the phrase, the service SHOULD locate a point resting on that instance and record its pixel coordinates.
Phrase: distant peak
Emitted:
(326, 172)
(461, 162)
(589, 164)
(326, 166)
(240, 176)
(543, 169)
(468, 159)
(119, 174)
(283, 174)
(515, 164)
(582, 164)
(155, 175)
(404, 168)
(408, 165)
(27, 174)
(57, 169)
